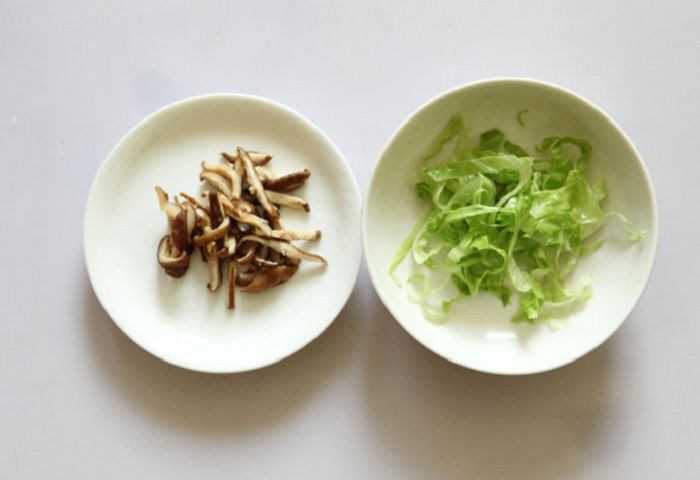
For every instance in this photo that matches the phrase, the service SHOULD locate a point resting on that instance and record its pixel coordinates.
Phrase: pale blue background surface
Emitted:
(79, 400)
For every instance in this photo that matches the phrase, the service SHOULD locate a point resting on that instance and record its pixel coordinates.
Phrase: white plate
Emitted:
(478, 334)
(179, 320)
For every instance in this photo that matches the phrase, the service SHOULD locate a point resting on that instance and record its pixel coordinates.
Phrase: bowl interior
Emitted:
(179, 320)
(478, 333)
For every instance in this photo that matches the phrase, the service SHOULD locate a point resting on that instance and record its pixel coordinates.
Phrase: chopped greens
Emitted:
(503, 221)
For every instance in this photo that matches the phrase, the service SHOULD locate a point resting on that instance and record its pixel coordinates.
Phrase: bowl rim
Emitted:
(109, 158)
(652, 235)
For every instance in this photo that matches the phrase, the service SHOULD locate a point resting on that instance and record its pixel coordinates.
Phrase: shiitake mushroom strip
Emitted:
(237, 228)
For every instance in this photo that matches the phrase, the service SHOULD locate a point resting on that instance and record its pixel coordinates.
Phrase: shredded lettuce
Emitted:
(505, 222)
(519, 117)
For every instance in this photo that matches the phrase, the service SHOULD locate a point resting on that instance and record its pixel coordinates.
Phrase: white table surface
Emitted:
(79, 400)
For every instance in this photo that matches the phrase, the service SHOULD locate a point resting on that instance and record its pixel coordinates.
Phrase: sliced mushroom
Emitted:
(253, 220)
(289, 235)
(226, 171)
(241, 205)
(190, 217)
(286, 249)
(174, 265)
(240, 169)
(179, 234)
(247, 254)
(162, 197)
(287, 183)
(236, 162)
(239, 223)
(243, 279)
(170, 209)
(288, 272)
(265, 280)
(231, 285)
(276, 223)
(194, 202)
(291, 261)
(263, 262)
(270, 277)
(216, 211)
(203, 220)
(217, 181)
(257, 158)
(211, 235)
(246, 207)
(249, 198)
(256, 184)
(214, 267)
(229, 248)
(266, 174)
(288, 200)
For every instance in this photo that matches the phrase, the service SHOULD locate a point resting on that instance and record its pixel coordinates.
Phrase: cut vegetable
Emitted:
(505, 222)
(236, 227)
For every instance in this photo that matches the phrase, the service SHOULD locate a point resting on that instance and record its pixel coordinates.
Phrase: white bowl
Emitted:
(179, 320)
(478, 333)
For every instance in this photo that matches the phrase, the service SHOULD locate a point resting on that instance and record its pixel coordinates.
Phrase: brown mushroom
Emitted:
(240, 205)
(214, 267)
(240, 216)
(203, 220)
(286, 249)
(211, 235)
(170, 209)
(266, 174)
(244, 227)
(275, 223)
(217, 181)
(287, 183)
(231, 285)
(257, 158)
(216, 211)
(288, 272)
(263, 262)
(265, 280)
(270, 277)
(194, 202)
(229, 248)
(179, 233)
(190, 217)
(244, 276)
(226, 171)
(243, 279)
(236, 162)
(256, 185)
(174, 265)
(289, 235)
(291, 261)
(287, 200)
(247, 254)
(245, 206)
(239, 224)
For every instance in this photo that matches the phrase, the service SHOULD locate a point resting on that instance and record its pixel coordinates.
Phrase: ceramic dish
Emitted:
(478, 333)
(179, 320)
